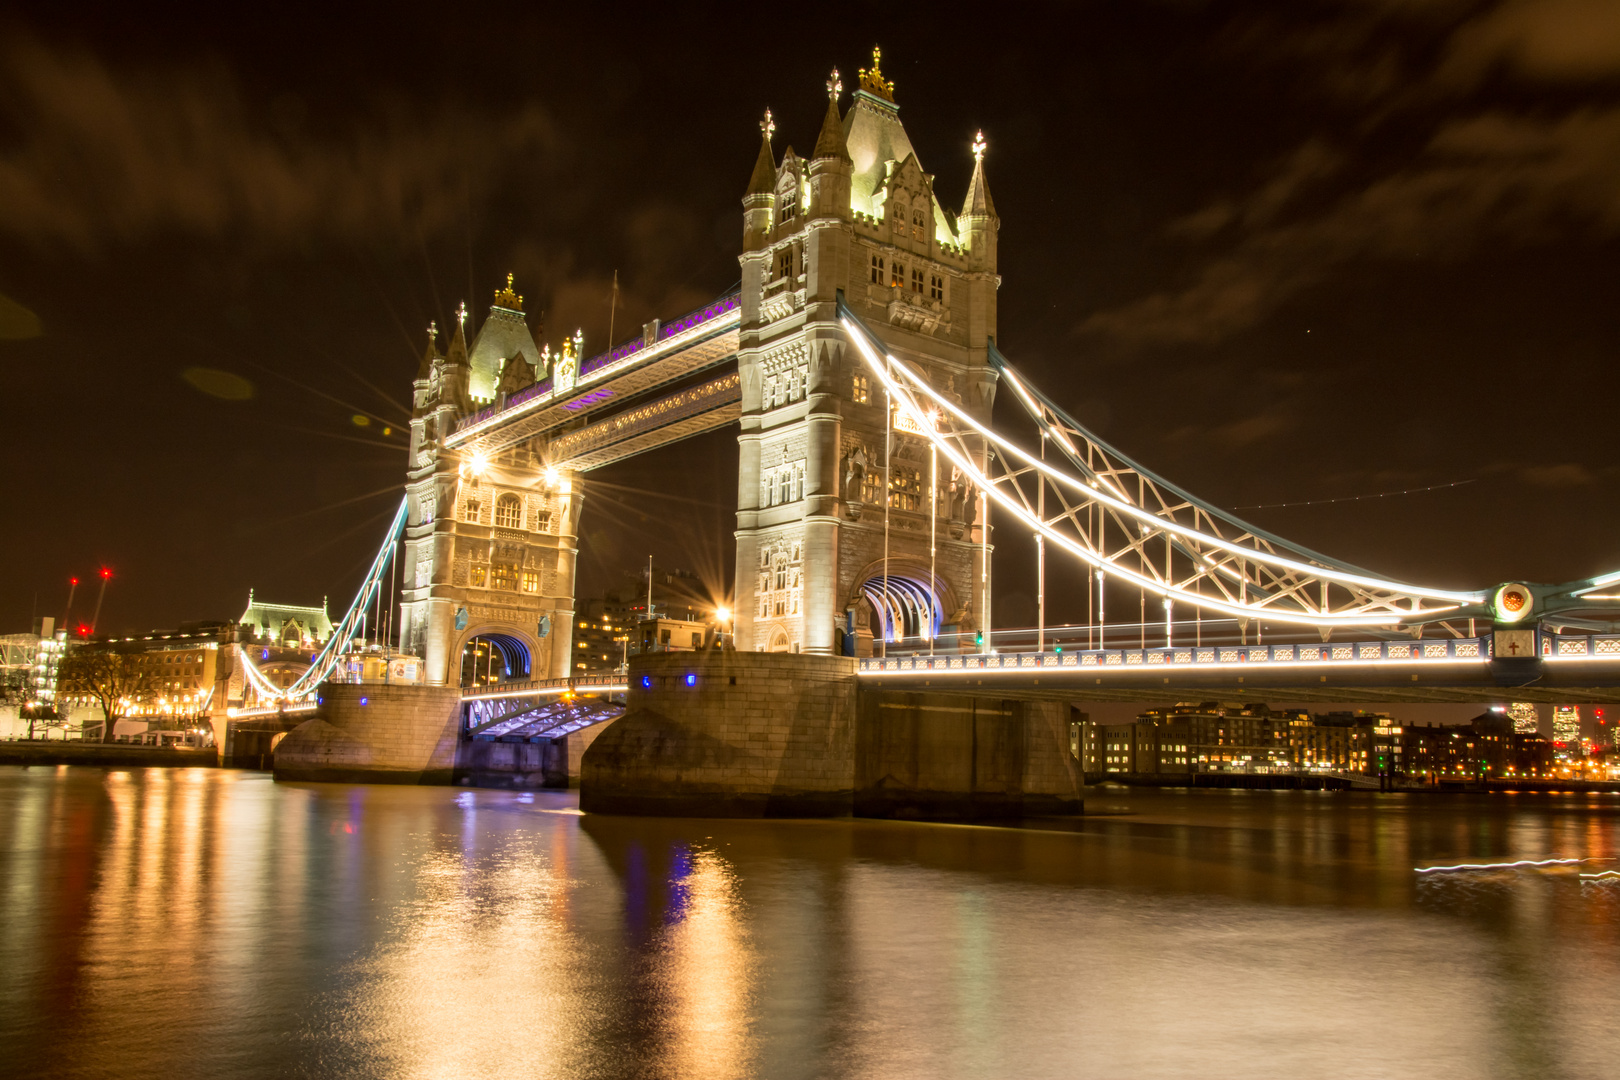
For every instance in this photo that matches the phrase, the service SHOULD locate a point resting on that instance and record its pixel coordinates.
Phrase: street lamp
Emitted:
(723, 616)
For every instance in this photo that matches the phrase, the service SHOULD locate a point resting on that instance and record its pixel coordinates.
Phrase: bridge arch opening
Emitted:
(902, 605)
(492, 658)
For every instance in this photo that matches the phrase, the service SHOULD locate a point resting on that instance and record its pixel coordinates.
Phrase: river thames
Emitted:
(208, 923)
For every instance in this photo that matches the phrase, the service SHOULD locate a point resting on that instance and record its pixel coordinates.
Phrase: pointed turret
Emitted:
(830, 165)
(424, 371)
(978, 202)
(763, 182)
(457, 353)
(830, 143)
(978, 224)
(759, 201)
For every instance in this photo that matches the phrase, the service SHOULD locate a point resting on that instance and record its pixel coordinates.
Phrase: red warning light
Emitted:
(84, 631)
(73, 581)
(105, 573)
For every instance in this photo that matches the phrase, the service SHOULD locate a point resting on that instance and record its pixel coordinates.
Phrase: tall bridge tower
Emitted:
(839, 497)
(490, 538)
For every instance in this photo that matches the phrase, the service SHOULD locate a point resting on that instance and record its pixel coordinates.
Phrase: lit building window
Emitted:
(905, 488)
(509, 512)
(479, 578)
(505, 577)
(861, 392)
(897, 275)
(531, 581)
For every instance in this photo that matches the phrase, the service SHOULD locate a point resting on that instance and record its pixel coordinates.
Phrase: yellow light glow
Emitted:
(723, 614)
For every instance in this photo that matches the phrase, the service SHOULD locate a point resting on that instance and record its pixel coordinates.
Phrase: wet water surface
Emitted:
(203, 923)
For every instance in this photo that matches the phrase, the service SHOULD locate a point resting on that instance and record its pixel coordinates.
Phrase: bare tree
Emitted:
(109, 676)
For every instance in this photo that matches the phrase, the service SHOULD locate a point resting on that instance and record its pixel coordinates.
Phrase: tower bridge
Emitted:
(857, 361)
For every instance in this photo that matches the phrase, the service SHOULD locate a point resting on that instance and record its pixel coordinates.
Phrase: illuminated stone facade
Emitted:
(858, 217)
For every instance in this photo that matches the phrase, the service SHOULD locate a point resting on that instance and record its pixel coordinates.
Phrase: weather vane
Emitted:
(835, 86)
(768, 126)
(979, 146)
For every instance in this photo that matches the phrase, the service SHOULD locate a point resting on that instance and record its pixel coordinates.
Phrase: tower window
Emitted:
(936, 287)
(505, 577)
(861, 391)
(471, 509)
(905, 488)
(877, 270)
(479, 578)
(784, 263)
(898, 277)
(509, 512)
(531, 581)
(916, 280)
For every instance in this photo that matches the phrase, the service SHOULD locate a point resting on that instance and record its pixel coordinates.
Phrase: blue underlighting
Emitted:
(691, 680)
(646, 682)
(364, 700)
(265, 655)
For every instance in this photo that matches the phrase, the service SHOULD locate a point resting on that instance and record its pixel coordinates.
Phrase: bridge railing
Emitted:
(1457, 650)
(596, 684)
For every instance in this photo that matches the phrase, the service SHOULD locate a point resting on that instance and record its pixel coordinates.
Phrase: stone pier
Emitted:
(727, 734)
(374, 733)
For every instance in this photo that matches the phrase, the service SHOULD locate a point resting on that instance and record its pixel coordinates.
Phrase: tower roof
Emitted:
(873, 135)
(504, 335)
(763, 182)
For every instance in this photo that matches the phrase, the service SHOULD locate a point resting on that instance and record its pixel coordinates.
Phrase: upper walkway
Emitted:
(666, 353)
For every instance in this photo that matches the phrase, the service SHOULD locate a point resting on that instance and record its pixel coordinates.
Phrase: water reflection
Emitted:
(204, 923)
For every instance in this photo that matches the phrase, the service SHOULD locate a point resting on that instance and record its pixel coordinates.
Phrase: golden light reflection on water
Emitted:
(706, 966)
(206, 923)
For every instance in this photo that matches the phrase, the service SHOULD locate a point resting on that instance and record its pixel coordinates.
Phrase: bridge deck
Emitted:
(1572, 670)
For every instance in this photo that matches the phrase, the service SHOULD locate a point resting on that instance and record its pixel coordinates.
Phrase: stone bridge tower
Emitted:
(860, 217)
(490, 542)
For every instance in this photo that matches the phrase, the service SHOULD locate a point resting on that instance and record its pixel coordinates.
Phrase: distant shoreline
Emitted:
(115, 755)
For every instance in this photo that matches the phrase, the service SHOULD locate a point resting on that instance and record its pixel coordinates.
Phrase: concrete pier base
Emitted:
(788, 735)
(375, 734)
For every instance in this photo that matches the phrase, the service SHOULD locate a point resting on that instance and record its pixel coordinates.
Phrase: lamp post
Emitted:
(723, 616)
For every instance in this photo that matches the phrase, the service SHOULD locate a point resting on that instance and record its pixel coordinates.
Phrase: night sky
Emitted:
(1276, 252)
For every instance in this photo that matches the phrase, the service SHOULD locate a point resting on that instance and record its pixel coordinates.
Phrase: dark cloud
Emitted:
(1540, 39)
(100, 155)
(1564, 475)
(1485, 173)
(1488, 177)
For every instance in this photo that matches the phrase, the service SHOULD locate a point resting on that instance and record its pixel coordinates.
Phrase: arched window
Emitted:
(509, 512)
